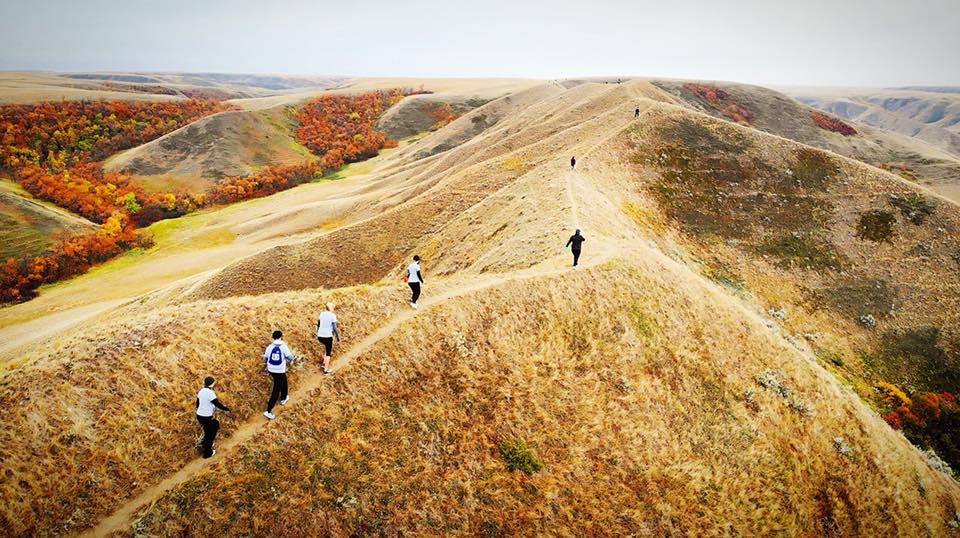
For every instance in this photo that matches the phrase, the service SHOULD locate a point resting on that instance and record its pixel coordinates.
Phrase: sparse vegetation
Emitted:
(915, 356)
(801, 250)
(876, 225)
(914, 207)
(858, 297)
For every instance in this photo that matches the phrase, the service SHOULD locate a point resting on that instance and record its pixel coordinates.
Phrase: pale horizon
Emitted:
(816, 43)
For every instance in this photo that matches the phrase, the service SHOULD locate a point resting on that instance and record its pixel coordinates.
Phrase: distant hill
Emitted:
(931, 114)
(194, 157)
(776, 113)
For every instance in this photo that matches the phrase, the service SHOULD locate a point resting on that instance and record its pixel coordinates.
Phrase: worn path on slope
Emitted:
(121, 517)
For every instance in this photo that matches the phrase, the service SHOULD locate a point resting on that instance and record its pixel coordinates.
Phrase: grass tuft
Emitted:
(519, 457)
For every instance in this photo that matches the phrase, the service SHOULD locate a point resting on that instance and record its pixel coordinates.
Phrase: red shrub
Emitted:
(829, 123)
(721, 101)
(265, 182)
(926, 409)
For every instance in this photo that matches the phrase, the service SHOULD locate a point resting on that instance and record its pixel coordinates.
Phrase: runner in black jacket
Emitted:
(575, 242)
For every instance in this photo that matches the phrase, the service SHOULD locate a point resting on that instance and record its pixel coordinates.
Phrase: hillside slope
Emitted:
(28, 226)
(778, 114)
(195, 156)
(647, 392)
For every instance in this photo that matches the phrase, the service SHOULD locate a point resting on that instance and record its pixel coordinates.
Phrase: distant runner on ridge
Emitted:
(207, 404)
(576, 241)
(326, 330)
(275, 358)
(413, 278)
(636, 113)
(573, 163)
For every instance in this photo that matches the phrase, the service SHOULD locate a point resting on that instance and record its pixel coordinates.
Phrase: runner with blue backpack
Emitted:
(275, 358)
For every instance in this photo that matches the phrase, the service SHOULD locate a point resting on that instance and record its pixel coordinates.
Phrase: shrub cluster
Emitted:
(829, 123)
(20, 278)
(929, 420)
(721, 101)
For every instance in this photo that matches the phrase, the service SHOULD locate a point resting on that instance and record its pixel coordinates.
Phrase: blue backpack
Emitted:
(276, 356)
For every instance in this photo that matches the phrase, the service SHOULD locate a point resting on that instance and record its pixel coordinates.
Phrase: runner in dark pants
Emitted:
(326, 330)
(414, 279)
(207, 403)
(573, 163)
(275, 358)
(575, 242)
(636, 113)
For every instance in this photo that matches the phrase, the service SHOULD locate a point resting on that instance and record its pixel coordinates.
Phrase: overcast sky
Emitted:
(815, 42)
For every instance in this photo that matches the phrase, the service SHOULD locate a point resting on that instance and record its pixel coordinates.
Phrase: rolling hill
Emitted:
(778, 114)
(28, 226)
(194, 157)
(712, 367)
(928, 114)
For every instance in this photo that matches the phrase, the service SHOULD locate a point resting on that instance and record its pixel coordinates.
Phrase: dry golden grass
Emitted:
(640, 430)
(110, 408)
(653, 389)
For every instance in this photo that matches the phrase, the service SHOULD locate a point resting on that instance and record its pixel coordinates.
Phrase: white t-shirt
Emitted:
(276, 356)
(206, 396)
(413, 271)
(325, 323)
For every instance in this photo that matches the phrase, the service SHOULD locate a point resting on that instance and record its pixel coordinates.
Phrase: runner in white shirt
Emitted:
(414, 278)
(207, 403)
(276, 357)
(326, 330)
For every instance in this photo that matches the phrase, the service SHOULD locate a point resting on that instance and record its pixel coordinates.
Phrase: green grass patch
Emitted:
(645, 325)
(830, 355)
(813, 169)
(801, 250)
(519, 457)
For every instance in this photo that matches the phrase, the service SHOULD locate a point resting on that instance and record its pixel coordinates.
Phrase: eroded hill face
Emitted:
(778, 114)
(653, 391)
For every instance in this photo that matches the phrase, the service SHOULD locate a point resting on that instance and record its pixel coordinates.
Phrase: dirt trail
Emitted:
(252, 425)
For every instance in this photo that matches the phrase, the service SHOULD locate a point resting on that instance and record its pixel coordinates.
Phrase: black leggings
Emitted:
(415, 287)
(327, 342)
(210, 428)
(576, 257)
(279, 391)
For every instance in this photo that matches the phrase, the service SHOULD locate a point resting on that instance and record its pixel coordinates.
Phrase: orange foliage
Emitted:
(924, 410)
(340, 128)
(52, 150)
(265, 182)
(58, 135)
(442, 114)
(72, 256)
